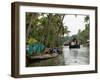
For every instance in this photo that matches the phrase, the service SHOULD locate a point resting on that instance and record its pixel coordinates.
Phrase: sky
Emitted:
(74, 23)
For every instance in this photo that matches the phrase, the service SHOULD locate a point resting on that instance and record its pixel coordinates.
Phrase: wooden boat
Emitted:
(74, 45)
(43, 56)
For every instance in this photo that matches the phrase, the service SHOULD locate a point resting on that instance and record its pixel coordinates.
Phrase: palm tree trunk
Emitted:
(29, 28)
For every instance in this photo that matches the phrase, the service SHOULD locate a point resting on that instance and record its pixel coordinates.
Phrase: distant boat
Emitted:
(66, 43)
(75, 44)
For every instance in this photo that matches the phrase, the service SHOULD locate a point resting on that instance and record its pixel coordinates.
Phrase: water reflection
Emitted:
(76, 56)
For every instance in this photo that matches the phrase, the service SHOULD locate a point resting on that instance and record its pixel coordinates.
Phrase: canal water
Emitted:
(68, 57)
(76, 56)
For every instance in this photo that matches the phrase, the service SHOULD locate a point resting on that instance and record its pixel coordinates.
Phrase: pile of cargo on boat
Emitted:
(39, 51)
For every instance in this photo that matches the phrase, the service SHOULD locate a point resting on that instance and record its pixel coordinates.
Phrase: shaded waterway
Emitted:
(68, 57)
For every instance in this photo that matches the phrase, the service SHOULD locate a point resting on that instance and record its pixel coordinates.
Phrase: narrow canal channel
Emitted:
(68, 57)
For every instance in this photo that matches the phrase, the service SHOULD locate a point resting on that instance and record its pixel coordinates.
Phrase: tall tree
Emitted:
(45, 28)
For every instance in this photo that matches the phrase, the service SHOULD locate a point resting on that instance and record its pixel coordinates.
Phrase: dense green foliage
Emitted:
(84, 35)
(47, 28)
